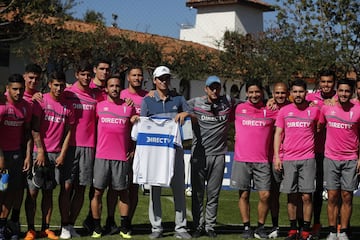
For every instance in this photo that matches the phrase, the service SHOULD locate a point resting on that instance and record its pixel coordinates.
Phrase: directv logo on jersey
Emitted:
(298, 124)
(213, 118)
(158, 140)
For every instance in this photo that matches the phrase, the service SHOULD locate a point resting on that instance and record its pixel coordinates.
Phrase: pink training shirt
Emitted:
(13, 117)
(54, 116)
(136, 97)
(342, 132)
(320, 137)
(254, 127)
(84, 105)
(299, 129)
(113, 130)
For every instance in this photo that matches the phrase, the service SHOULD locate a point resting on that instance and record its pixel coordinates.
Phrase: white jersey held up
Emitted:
(156, 143)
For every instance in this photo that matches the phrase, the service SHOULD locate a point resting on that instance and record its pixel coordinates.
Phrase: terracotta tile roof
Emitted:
(254, 3)
(168, 44)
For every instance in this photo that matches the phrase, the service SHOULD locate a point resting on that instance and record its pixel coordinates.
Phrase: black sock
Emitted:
(306, 226)
(15, 215)
(275, 221)
(31, 227)
(260, 225)
(343, 230)
(332, 229)
(293, 225)
(125, 223)
(246, 225)
(97, 226)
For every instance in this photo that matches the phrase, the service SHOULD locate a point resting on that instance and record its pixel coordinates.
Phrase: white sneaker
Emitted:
(332, 236)
(274, 232)
(343, 236)
(73, 233)
(65, 233)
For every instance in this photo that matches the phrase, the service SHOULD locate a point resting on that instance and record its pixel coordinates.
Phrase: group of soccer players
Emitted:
(51, 140)
(79, 136)
(315, 141)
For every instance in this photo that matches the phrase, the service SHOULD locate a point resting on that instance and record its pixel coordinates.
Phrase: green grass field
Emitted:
(229, 221)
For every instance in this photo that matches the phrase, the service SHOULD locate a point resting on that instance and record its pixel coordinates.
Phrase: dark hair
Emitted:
(83, 66)
(16, 78)
(328, 73)
(253, 82)
(299, 83)
(347, 81)
(115, 75)
(33, 68)
(101, 60)
(134, 67)
(57, 75)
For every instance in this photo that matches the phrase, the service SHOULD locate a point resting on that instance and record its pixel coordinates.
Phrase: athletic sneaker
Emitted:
(332, 236)
(316, 231)
(30, 235)
(211, 233)
(14, 228)
(96, 235)
(198, 233)
(274, 232)
(292, 235)
(182, 235)
(110, 229)
(125, 235)
(343, 236)
(73, 232)
(248, 233)
(155, 235)
(65, 232)
(260, 233)
(49, 234)
(305, 235)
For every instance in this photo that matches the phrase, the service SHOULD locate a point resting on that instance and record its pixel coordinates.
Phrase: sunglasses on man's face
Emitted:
(164, 78)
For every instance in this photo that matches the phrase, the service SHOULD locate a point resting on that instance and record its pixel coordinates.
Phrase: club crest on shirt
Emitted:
(290, 114)
(106, 109)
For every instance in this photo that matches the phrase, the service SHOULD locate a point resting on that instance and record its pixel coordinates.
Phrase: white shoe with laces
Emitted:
(65, 233)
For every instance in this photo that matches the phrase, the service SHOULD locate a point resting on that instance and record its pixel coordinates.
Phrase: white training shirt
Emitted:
(156, 142)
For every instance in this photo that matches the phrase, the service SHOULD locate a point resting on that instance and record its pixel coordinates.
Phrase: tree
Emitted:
(331, 21)
(92, 16)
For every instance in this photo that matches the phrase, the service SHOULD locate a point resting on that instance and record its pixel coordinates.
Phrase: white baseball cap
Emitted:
(161, 70)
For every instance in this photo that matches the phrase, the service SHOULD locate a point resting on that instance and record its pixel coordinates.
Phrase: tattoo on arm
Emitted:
(38, 143)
